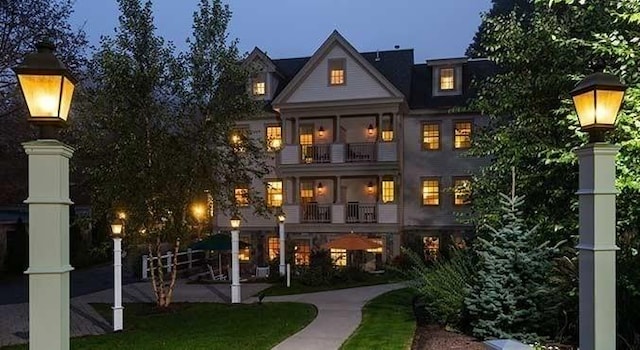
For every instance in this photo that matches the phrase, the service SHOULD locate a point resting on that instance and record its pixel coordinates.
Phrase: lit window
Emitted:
(431, 192)
(302, 252)
(431, 136)
(387, 129)
(242, 196)
(238, 136)
(244, 254)
(274, 193)
(461, 191)
(431, 246)
(337, 72)
(274, 247)
(274, 138)
(447, 79)
(462, 135)
(387, 191)
(339, 257)
(306, 192)
(306, 143)
(259, 88)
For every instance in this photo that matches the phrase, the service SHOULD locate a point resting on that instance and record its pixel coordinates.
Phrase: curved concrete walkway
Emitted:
(339, 314)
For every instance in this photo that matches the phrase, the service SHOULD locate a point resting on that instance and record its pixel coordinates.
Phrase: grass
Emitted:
(298, 288)
(201, 326)
(387, 323)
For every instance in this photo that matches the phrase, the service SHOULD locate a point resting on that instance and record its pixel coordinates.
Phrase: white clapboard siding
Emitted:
(290, 154)
(359, 82)
(337, 153)
(387, 213)
(387, 152)
(337, 214)
(292, 212)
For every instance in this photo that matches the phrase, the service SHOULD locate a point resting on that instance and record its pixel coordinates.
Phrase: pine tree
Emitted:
(504, 301)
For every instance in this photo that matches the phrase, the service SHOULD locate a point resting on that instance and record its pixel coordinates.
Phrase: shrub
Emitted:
(443, 285)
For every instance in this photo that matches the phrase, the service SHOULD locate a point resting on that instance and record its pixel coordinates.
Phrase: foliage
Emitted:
(298, 288)
(389, 314)
(320, 270)
(542, 53)
(443, 285)
(505, 301)
(17, 258)
(200, 326)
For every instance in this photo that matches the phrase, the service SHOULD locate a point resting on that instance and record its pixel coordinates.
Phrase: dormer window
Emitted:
(447, 79)
(259, 87)
(337, 72)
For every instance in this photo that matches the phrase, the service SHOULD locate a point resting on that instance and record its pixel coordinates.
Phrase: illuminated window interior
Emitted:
(306, 140)
(242, 196)
(462, 135)
(431, 136)
(259, 88)
(306, 192)
(244, 254)
(387, 191)
(302, 251)
(447, 79)
(339, 257)
(431, 192)
(431, 246)
(274, 193)
(387, 129)
(273, 244)
(274, 138)
(336, 72)
(461, 191)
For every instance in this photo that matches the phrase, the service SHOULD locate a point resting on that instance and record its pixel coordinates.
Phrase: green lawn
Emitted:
(298, 288)
(202, 326)
(387, 323)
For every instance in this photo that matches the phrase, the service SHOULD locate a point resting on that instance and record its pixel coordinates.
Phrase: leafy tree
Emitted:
(504, 301)
(532, 125)
(22, 24)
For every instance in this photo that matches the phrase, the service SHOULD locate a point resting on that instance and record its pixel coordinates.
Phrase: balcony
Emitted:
(315, 213)
(340, 153)
(315, 153)
(360, 152)
(350, 213)
(361, 213)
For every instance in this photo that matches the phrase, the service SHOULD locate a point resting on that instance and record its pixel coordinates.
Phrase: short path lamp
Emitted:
(47, 87)
(117, 233)
(281, 219)
(597, 99)
(235, 263)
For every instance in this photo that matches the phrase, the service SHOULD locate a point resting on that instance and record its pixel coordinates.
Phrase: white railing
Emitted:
(360, 152)
(315, 153)
(361, 213)
(168, 261)
(316, 213)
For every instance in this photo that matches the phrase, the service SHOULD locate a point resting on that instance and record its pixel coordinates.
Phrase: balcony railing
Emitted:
(315, 153)
(360, 152)
(361, 213)
(315, 213)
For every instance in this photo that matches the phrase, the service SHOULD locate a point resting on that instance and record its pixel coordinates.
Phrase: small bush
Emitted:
(443, 285)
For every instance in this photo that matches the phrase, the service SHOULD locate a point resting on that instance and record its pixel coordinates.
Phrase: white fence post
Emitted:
(190, 256)
(145, 267)
(169, 262)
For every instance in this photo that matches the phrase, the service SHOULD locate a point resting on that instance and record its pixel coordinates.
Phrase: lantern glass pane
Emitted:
(65, 100)
(42, 93)
(585, 107)
(607, 105)
(116, 229)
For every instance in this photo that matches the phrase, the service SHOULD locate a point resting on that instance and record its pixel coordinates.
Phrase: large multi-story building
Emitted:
(363, 142)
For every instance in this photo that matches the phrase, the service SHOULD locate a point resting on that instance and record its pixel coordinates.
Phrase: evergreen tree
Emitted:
(504, 301)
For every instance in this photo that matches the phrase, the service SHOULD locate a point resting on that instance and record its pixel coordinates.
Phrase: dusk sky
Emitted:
(295, 28)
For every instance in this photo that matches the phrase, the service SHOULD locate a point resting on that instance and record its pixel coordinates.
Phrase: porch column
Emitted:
(336, 130)
(378, 125)
(337, 191)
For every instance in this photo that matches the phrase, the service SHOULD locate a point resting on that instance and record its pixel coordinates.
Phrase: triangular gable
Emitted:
(310, 83)
(261, 58)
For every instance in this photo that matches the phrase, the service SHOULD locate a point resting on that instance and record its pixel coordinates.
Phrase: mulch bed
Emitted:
(434, 337)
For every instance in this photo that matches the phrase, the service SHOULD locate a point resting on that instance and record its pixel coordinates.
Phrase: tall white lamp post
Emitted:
(235, 263)
(281, 219)
(47, 87)
(597, 99)
(117, 232)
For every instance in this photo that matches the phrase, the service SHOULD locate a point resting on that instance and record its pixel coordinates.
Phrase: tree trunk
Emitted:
(163, 291)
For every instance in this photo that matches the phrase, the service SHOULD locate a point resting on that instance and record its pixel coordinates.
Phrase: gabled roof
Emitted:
(334, 39)
(257, 54)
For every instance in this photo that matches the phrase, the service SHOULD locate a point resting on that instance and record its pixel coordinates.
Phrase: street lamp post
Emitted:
(235, 263)
(281, 219)
(597, 99)
(117, 232)
(47, 87)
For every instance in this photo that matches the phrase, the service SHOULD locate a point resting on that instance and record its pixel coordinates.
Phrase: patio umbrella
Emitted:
(352, 241)
(219, 242)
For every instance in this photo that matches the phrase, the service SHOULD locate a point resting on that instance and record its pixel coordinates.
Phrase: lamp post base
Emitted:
(236, 294)
(283, 269)
(117, 318)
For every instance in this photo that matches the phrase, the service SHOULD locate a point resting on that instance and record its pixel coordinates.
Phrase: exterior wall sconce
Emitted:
(370, 130)
(370, 187)
(321, 131)
(320, 188)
